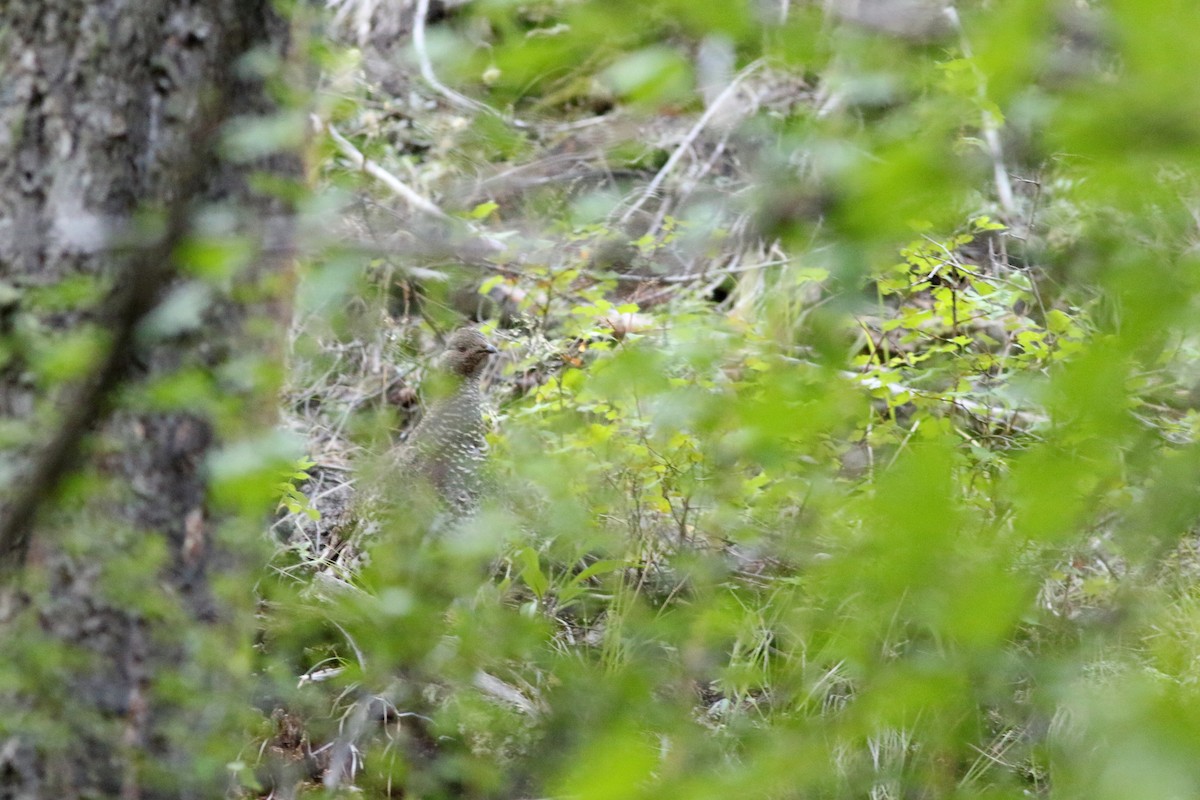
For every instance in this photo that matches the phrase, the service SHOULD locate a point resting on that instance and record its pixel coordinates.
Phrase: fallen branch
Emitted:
(988, 125)
(688, 278)
(426, 66)
(361, 162)
(691, 136)
(1028, 419)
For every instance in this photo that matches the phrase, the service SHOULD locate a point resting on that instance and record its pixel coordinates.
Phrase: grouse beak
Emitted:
(490, 349)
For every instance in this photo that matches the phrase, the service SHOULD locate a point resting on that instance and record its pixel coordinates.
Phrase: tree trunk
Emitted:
(124, 660)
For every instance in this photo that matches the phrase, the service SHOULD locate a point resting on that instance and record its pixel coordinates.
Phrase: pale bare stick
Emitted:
(425, 64)
(688, 140)
(361, 162)
(989, 125)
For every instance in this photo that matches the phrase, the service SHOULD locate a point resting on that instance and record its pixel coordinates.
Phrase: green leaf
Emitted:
(531, 572)
(483, 210)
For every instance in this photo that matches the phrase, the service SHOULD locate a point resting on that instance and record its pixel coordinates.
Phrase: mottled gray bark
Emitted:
(110, 684)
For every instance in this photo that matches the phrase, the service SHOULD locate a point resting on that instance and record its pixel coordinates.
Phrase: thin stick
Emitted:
(688, 140)
(361, 162)
(688, 278)
(991, 130)
(426, 66)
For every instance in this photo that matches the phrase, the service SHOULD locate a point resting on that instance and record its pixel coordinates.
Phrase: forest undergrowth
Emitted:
(844, 426)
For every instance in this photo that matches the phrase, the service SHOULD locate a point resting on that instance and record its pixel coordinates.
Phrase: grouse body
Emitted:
(447, 449)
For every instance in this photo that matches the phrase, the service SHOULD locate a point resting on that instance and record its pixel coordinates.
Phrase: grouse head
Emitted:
(466, 353)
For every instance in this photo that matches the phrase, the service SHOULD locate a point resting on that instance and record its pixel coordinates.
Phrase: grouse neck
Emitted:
(443, 385)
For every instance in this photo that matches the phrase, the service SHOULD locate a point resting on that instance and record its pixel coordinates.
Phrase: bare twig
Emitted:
(989, 126)
(688, 278)
(361, 162)
(497, 689)
(1029, 420)
(426, 67)
(716, 105)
